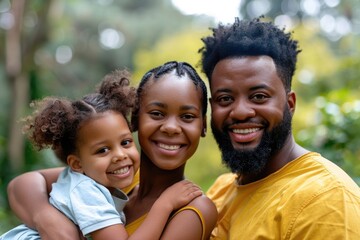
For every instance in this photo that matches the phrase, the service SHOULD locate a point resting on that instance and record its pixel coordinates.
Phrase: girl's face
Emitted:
(170, 120)
(106, 151)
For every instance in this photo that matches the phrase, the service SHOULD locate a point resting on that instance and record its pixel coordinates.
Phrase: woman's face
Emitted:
(170, 120)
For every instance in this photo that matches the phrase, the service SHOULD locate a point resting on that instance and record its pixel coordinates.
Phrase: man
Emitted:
(278, 189)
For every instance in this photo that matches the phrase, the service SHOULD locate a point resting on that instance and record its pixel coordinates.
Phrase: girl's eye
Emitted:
(102, 150)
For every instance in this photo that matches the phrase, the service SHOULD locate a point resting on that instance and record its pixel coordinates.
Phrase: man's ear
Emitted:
(74, 163)
(291, 101)
(203, 131)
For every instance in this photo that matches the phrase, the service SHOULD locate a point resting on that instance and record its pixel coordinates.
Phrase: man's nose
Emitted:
(242, 110)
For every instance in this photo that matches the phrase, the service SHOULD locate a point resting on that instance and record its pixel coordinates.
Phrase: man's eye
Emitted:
(260, 97)
(225, 99)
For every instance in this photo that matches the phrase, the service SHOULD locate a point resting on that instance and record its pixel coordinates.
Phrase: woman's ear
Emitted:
(203, 131)
(74, 163)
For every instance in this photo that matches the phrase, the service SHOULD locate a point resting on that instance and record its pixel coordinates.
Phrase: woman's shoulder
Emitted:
(206, 211)
(203, 204)
(201, 208)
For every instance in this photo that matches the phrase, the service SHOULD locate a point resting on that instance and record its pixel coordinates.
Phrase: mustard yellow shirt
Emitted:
(309, 198)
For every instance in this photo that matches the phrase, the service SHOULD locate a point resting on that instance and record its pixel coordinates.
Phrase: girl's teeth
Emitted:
(121, 171)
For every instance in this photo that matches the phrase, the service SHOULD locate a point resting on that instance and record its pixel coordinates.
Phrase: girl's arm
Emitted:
(172, 198)
(190, 220)
(29, 199)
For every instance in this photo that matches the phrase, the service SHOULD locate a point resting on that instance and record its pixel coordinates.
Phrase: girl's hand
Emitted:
(180, 194)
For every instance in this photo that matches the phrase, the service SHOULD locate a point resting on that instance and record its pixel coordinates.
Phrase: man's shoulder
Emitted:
(315, 177)
(324, 171)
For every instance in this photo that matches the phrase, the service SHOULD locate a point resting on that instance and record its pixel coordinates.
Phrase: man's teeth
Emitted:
(245, 131)
(121, 170)
(169, 147)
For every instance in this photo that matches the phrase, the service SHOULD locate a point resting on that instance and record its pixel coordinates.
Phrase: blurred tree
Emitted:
(18, 63)
(336, 124)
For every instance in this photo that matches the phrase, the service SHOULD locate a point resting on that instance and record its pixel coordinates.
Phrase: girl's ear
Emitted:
(203, 131)
(74, 163)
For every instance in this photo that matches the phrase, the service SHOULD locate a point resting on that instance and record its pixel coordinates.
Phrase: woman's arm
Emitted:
(190, 220)
(29, 199)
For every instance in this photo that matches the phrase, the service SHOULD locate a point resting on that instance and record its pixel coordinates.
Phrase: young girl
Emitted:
(170, 118)
(92, 136)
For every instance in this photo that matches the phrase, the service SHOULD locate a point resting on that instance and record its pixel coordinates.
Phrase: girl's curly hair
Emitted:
(55, 121)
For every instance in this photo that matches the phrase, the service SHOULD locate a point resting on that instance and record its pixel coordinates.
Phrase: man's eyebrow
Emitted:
(260, 86)
(227, 90)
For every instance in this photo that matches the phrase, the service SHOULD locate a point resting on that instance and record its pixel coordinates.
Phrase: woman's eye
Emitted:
(188, 117)
(156, 114)
(126, 142)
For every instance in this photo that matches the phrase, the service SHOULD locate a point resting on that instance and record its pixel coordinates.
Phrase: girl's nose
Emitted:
(119, 156)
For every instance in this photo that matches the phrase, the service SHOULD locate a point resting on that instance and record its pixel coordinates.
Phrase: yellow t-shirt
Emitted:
(309, 198)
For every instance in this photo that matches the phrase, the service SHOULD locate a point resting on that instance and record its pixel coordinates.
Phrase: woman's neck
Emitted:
(153, 180)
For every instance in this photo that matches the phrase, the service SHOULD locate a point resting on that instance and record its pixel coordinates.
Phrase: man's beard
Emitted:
(253, 161)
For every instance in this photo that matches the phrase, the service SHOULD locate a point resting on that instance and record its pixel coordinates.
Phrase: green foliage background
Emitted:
(326, 81)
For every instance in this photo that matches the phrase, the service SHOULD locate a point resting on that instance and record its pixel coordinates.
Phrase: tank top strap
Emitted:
(198, 213)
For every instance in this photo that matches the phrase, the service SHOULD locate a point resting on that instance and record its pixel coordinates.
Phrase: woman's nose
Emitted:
(171, 126)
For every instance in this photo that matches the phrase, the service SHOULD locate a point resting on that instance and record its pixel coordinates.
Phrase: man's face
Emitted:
(251, 112)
